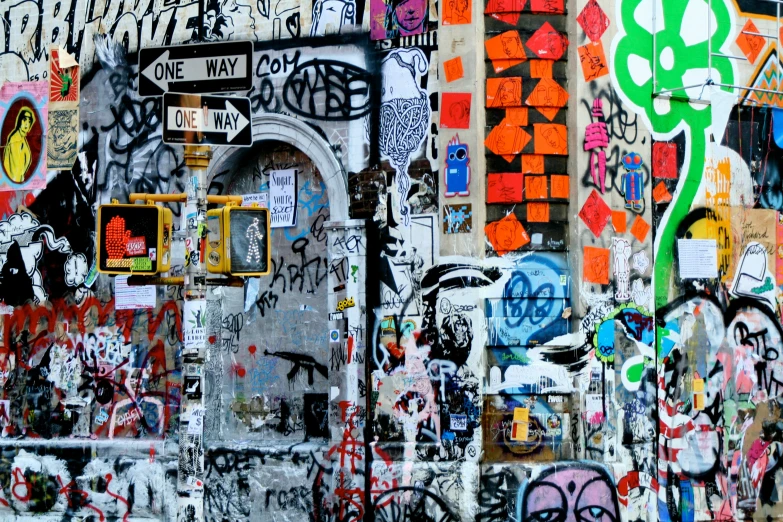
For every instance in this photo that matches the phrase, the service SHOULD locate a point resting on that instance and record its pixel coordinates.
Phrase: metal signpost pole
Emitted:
(190, 485)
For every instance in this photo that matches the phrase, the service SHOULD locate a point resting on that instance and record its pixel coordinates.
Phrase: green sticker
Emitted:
(141, 263)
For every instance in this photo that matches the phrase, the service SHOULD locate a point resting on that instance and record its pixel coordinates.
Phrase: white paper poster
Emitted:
(262, 198)
(698, 258)
(282, 195)
(196, 422)
(133, 297)
(194, 326)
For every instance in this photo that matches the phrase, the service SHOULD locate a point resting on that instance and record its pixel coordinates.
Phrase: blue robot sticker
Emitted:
(457, 169)
(632, 182)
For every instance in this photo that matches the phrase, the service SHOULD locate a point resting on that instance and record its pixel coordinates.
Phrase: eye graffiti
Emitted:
(574, 491)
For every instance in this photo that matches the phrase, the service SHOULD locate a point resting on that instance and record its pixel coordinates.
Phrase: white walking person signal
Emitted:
(254, 235)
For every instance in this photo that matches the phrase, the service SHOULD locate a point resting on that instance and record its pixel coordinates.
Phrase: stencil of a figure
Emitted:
(622, 268)
(596, 140)
(254, 236)
(405, 115)
(17, 155)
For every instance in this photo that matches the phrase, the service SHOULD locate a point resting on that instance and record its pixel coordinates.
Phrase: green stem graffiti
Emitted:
(681, 206)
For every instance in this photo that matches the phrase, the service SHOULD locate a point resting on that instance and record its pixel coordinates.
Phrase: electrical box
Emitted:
(239, 241)
(134, 239)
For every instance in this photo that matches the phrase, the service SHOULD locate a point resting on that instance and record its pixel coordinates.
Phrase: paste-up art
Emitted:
(504, 92)
(633, 181)
(622, 268)
(457, 12)
(457, 169)
(507, 140)
(547, 43)
(405, 115)
(593, 20)
(506, 235)
(505, 50)
(596, 140)
(393, 18)
(455, 110)
(23, 118)
(457, 219)
(504, 188)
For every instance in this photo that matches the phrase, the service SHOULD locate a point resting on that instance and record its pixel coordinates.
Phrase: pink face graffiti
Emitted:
(571, 493)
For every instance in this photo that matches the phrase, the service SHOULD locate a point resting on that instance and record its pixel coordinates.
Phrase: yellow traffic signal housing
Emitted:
(134, 239)
(239, 241)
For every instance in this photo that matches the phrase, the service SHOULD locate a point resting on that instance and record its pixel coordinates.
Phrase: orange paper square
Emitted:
(506, 235)
(640, 228)
(457, 12)
(535, 187)
(453, 69)
(507, 140)
(505, 50)
(560, 186)
(593, 61)
(517, 116)
(547, 93)
(750, 44)
(541, 68)
(532, 164)
(550, 138)
(595, 265)
(504, 92)
(538, 212)
(661, 193)
(619, 222)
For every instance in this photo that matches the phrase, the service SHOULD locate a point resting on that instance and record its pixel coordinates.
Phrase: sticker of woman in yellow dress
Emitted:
(17, 156)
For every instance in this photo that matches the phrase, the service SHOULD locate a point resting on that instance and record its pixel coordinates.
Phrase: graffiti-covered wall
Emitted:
(526, 265)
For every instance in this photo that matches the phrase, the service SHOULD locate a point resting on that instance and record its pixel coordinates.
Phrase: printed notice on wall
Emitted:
(194, 324)
(196, 422)
(262, 199)
(282, 195)
(132, 297)
(698, 258)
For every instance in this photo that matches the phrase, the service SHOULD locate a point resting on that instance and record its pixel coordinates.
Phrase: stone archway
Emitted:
(279, 127)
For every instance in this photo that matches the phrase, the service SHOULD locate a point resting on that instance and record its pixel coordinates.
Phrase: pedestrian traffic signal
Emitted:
(134, 239)
(238, 241)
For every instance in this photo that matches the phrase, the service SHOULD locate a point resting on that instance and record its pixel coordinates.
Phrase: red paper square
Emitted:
(504, 188)
(547, 43)
(664, 155)
(595, 213)
(455, 110)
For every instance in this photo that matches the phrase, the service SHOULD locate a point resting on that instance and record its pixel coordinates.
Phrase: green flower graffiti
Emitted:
(682, 51)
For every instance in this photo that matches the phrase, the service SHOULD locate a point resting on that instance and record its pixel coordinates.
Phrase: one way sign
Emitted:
(190, 119)
(196, 69)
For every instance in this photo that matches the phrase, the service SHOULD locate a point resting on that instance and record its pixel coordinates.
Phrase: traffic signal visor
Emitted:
(239, 241)
(134, 239)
